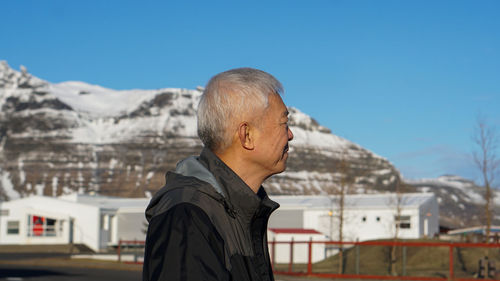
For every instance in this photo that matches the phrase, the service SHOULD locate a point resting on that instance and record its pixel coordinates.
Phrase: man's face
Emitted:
(273, 134)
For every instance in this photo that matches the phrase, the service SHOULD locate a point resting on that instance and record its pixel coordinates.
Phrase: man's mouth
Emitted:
(285, 150)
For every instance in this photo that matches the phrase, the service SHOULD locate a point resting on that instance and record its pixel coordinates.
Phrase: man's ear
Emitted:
(245, 134)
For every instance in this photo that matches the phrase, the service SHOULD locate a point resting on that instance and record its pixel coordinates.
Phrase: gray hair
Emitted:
(230, 96)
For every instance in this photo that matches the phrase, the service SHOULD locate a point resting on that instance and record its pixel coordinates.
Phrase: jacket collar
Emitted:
(239, 195)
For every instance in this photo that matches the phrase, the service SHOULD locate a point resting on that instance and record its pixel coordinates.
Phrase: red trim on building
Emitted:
(294, 230)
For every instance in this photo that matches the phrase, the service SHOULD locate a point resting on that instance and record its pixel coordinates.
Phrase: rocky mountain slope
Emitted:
(74, 137)
(461, 201)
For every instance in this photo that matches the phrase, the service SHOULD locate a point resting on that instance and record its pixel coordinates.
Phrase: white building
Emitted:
(95, 221)
(99, 222)
(366, 216)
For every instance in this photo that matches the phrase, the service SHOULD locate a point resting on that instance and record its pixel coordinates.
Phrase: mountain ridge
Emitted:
(76, 137)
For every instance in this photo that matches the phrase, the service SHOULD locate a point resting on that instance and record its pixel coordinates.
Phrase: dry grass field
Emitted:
(412, 261)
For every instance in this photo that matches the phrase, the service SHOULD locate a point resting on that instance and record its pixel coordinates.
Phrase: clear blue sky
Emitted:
(404, 79)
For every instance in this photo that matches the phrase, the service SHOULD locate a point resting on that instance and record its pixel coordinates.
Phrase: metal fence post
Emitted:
(309, 259)
(290, 265)
(404, 260)
(450, 277)
(357, 257)
(273, 249)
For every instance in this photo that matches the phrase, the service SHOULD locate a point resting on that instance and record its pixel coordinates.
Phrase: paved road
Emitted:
(36, 273)
(24, 267)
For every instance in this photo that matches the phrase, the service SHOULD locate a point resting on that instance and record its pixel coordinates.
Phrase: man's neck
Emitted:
(240, 167)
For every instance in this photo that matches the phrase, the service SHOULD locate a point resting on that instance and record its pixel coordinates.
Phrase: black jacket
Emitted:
(207, 224)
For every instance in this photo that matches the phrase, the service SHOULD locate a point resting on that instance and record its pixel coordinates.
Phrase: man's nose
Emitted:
(290, 134)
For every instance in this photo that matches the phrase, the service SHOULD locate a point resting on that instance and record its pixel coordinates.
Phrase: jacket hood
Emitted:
(191, 167)
(186, 170)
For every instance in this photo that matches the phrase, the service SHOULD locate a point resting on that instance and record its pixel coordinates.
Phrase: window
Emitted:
(402, 221)
(41, 226)
(12, 227)
(50, 229)
(363, 219)
(378, 218)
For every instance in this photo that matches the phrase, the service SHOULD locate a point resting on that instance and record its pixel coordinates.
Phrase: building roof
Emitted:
(106, 202)
(357, 201)
(96, 201)
(475, 230)
(294, 230)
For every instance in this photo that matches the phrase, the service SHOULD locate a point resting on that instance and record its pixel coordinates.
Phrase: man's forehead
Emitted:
(278, 106)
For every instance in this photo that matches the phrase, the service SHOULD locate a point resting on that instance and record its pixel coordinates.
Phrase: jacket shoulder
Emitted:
(182, 189)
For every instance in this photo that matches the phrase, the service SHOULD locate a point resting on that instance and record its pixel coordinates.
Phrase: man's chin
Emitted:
(282, 165)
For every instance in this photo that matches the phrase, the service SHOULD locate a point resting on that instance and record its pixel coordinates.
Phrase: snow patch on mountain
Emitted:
(8, 187)
(464, 186)
(12, 79)
(103, 102)
(306, 137)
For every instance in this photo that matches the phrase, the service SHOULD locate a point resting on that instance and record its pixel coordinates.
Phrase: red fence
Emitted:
(309, 268)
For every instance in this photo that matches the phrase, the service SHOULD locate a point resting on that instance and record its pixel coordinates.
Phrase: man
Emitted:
(209, 222)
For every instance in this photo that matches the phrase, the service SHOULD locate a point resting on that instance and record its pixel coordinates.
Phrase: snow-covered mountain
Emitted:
(461, 201)
(60, 138)
(74, 137)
